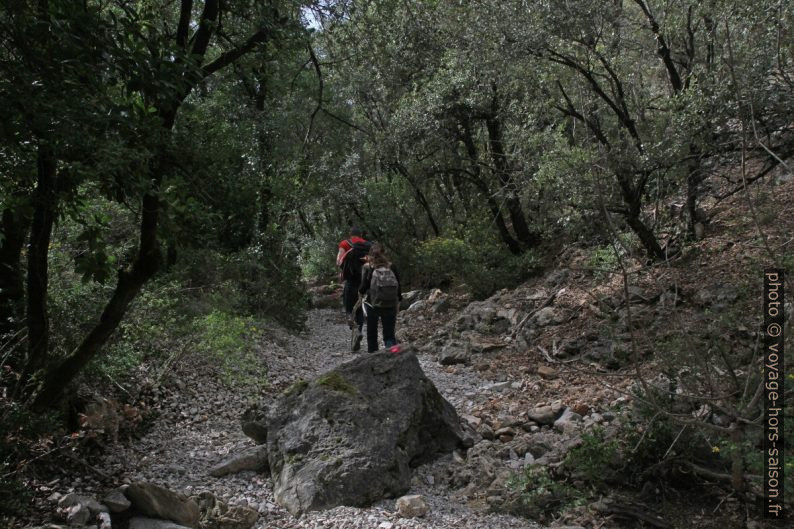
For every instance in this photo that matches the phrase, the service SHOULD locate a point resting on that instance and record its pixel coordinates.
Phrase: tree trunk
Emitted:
(737, 461)
(44, 202)
(502, 170)
(632, 197)
(693, 179)
(15, 228)
(420, 197)
(471, 150)
(129, 284)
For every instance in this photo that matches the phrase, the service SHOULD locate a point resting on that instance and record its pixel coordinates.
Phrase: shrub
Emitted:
(228, 339)
(483, 267)
(444, 260)
(538, 496)
(317, 261)
(595, 459)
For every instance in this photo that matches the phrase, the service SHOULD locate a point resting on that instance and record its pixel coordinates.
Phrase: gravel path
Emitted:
(199, 425)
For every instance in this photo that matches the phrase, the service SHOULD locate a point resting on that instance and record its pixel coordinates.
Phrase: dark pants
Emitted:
(388, 318)
(350, 296)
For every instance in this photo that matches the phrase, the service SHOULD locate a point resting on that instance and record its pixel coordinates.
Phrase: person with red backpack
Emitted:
(380, 283)
(350, 260)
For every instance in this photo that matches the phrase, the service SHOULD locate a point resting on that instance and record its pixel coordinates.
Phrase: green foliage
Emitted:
(441, 260)
(158, 325)
(538, 496)
(271, 286)
(318, 260)
(229, 340)
(483, 266)
(595, 460)
(603, 261)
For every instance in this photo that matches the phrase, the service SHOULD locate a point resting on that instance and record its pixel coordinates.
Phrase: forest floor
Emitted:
(198, 425)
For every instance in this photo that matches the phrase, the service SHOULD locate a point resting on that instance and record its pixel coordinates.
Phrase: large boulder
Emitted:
(351, 436)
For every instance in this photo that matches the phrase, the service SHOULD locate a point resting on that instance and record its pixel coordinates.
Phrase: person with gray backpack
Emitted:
(380, 288)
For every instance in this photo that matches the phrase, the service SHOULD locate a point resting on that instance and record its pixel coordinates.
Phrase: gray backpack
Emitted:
(383, 288)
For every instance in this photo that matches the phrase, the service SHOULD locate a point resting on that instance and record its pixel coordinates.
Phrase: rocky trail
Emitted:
(199, 425)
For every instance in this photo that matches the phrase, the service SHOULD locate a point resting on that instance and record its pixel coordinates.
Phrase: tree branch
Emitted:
(184, 23)
(232, 55)
(316, 65)
(201, 39)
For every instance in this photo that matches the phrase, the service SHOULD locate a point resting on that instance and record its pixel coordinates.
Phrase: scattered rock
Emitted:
(567, 421)
(417, 306)
(78, 514)
(473, 421)
(409, 298)
(104, 520)
(116, 501)
(252, 459)
(157, 501)
(486, 432)
(546, 316)
(497, 386)
(505, 434)
(412, 506)
(455, 352)
(546, 414)
(581, 409)
(441, 306)
(547, 372)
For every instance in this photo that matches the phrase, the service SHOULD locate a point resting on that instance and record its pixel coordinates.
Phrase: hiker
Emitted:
(380, 283)
(350, 260)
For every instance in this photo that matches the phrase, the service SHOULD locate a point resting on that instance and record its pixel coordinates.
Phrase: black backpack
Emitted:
(354, 260)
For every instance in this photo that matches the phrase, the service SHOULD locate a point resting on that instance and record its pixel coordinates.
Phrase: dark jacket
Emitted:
(366, 279)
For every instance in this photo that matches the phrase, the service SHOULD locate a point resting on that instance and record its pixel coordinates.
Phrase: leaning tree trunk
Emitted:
(129, 284)
(632, 197)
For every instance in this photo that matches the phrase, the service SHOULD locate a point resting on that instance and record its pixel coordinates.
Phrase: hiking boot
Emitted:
(357, 341)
